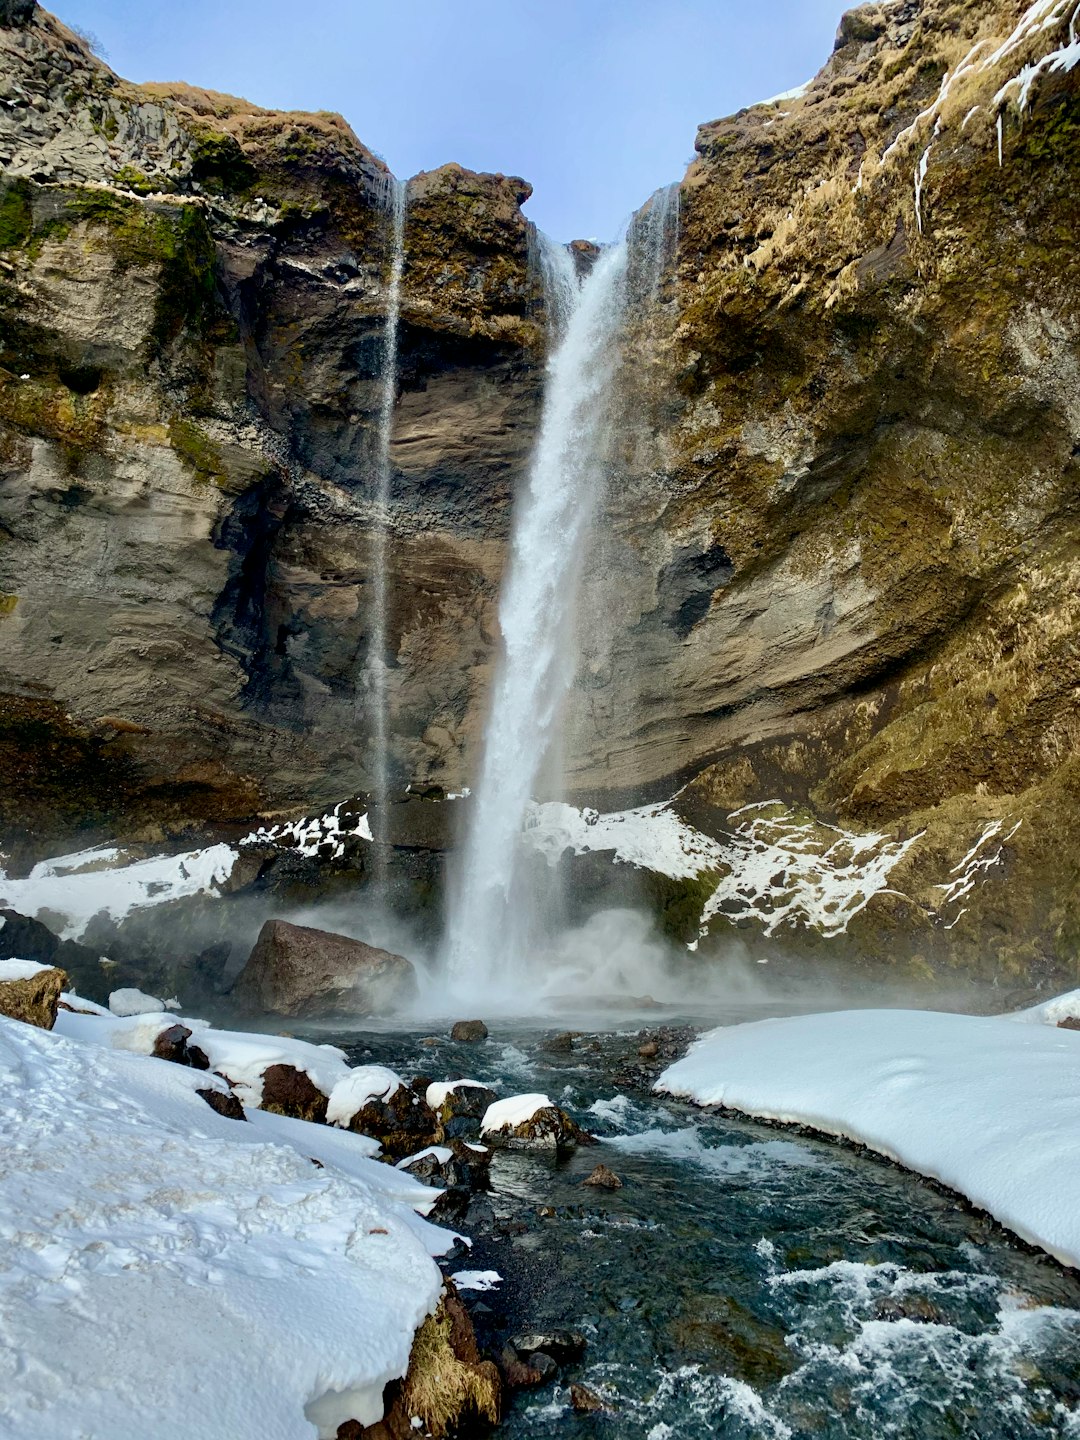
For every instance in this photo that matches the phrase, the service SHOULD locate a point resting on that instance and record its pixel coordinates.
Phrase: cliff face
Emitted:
(193, 293)
(840, 559)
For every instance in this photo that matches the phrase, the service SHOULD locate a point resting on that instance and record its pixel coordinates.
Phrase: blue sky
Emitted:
(594, 101)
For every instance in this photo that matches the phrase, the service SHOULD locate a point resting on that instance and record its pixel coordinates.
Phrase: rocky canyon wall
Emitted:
(839, 559)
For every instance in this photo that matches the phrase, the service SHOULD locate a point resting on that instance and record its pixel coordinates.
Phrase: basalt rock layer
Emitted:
(839, 559)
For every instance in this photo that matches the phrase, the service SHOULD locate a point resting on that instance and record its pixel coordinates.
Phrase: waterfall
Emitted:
(377, 667)
(492, 917)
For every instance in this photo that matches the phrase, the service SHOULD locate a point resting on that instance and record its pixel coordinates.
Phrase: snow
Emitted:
(476, 1279)
(309, 835)
(79, 887)
(353, 1091)
(159, 1261)
(242, 1058)
(436, 1094)
(134, 1002)
(506, 1114)
(983, 1104)
(1051, 1012)
(20, 969)
(796, 94)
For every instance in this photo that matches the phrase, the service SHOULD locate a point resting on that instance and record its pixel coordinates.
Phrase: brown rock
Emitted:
(288, 1091)
(561, 1044)
(548, 1128)
(1071, 1022)
(604, 1179)
(585, 1400)
(403, 1122)
(516, 1374)
(648, 1051)
(295, 970)
(35, 999)
(171, 1044)
(469, 1031)
(447, 1385)
(225, 1104)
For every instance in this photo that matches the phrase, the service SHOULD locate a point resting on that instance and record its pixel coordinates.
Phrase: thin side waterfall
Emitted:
(492, 914)
(377, 667)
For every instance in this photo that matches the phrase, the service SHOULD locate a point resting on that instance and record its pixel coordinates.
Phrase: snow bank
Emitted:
(93, 882)
(985, 1105)
(158, 1261)
(243, 1058)
(507, 1114)
(353, 1091)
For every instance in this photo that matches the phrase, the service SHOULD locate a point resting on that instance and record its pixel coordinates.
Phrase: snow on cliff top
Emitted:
(161, 1266)
(984, 1104)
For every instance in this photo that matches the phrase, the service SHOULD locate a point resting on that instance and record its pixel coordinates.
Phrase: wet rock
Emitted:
(544, 1365)
(457, 1165)
(171, 1044)
(584, 1400)
(402, 1122)
(447, 1386)
(532, 1122)
(604, 1179)
(469, 1031)
(297, 970)
(225, 1104)
(1071, 1022)
(31, 998)
(649, 1050)
(918, 1308)
(460, 1105)
(23, 938)
(516, 1374)
(561, 1044)
(564, 1346)
(288, 1091)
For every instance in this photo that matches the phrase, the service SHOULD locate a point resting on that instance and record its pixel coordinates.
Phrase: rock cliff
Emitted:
(840, 559)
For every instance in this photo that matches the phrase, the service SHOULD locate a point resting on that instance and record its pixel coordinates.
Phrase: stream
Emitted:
(745, 1281)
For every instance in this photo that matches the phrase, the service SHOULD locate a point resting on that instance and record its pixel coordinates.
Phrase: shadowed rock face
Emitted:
(839, 554)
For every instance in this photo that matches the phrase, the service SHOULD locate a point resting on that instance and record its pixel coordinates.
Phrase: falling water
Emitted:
(376, 676)
(491, 918)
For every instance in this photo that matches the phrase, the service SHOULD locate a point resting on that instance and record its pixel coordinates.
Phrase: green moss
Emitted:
(8, 604)
(16, 215)
(220, 164)
(678, 903)
(195, 447)
(132, 179)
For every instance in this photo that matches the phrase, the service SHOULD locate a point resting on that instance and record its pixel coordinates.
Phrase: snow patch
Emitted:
(477, 1279)
(309, 835)
(985, 1105)
(134, 1002)
(20, 969)
(436, 1094)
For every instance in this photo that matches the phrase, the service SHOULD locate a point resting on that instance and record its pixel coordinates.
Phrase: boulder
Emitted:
(532, 1122)
(460, 1105)
(288, 1091)
(296, 970)
(457, 1165)
(584, 1400)
(30, 992)
(604, 1179)
(469, 1031)
(447, 1387)
(564, 1346)
(226, 1104)
(373, 1101)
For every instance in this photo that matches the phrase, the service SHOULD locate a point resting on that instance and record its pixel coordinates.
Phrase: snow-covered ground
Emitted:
(987, 1105)
(163, 1268)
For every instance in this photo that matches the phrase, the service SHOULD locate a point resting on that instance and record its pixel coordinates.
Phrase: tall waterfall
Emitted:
(377, 667)
(491, 921)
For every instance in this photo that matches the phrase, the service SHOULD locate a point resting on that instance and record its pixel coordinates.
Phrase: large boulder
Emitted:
(30, 992)
(295, 969)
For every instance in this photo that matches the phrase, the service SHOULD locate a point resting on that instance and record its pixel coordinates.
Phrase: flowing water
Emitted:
(377, 662)
(493, 916)
(748, 1281)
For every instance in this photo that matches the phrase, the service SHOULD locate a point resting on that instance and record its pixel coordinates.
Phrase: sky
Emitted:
(595, 102)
